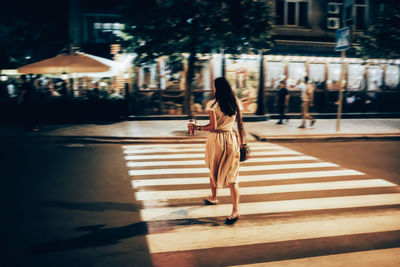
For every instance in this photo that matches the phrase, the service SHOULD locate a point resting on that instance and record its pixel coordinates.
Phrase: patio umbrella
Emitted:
(75, 62)
(116, 67)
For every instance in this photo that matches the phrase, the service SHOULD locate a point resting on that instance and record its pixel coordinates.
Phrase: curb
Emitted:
(103, 139)
(246, 117)
(274, 116)
(330, 137)
(197, 139)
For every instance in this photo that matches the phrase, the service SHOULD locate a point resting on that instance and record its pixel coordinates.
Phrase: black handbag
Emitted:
(244, 152)
(244, 149)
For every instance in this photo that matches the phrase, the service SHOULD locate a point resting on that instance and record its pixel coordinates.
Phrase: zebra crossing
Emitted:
(293, 207)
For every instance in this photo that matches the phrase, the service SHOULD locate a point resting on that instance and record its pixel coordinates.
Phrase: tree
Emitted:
(18, 42)
(381, 39)
(29, 32)
(155, 28)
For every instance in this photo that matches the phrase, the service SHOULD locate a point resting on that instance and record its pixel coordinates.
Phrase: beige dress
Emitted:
(222, 149)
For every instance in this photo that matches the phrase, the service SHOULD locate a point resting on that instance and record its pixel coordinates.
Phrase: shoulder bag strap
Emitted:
(240, 127)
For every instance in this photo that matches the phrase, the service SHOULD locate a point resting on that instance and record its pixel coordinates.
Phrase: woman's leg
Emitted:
(213, 190)
(235, 198)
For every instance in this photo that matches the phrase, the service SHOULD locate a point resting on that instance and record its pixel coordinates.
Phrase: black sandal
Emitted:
(208, 201)
(232, 219)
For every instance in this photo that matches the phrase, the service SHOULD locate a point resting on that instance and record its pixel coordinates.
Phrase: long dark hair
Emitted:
(225, 97)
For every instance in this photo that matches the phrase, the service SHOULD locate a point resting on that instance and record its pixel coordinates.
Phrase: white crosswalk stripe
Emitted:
(303, 185)
(190, 149)
(250, 178)
(272, 233)
(245, 168)
(201, 145)
(382, 257)
(177, 194)
(174, 213)
(201, 155)
(202, 162)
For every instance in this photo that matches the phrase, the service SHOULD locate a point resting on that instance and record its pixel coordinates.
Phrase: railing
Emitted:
(71, 110)
(353, 101)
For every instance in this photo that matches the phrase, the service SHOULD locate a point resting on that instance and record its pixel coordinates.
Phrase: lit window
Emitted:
(392, 76)
(375, 77)
(334, 74)
(107, 26)
(117, 26)
(275, 74)
(296, 73)
(356, 77)
(97, 26)
(292, 12)
(317, 72)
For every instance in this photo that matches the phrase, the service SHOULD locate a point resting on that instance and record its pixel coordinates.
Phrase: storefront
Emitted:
(162, 91)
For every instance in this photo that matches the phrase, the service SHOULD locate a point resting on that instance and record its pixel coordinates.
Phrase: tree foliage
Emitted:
(381, 39)
(30, 31)
(18, 41)
(155, 28)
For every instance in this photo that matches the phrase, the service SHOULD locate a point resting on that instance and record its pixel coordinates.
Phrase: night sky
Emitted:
(45, 27)
(53, 14)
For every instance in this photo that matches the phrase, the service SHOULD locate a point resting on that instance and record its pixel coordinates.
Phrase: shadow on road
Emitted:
(96, 237)
(94, 206)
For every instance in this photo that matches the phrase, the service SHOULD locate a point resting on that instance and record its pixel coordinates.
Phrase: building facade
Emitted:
(304, 46)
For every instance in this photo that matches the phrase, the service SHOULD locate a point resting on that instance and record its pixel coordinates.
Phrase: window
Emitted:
(303, 11)
(292, 12)
(375, 77)
(358, 12)
(275, 74)
(334, 75)
(148, 77)
(280, 11)
(243, 74)
(392, 76)
(105, 32)
(296, 73)
(360, 17)
(334, 14)
(356, 77)
(317, 72)
(101, 28)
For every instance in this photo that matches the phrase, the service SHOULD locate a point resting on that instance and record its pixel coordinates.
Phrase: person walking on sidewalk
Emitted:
(307, 98)
(283, 101)
(222, 147)
(29, 99)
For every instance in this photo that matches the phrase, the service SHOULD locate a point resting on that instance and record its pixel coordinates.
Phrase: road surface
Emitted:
(142, 205)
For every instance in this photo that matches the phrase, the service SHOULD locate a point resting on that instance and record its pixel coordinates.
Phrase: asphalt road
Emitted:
(68, 205)
(376, 158)
(73, 205)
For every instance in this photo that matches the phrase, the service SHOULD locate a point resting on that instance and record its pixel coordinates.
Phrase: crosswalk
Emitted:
(293, 207)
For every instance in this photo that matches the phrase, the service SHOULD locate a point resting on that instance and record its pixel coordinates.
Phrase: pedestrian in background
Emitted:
(223, 145)
(11, 89)
(307, 98)
(29, 100)
(283, 101)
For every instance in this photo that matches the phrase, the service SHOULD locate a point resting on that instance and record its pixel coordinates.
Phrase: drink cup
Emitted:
(191, 122)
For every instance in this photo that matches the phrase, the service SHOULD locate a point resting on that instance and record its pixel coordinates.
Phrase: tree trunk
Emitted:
(189, 80)
(160, 93)
(261, 93)
(223, 63)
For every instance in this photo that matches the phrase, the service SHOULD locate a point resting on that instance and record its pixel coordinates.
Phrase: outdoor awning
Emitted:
(76, 62)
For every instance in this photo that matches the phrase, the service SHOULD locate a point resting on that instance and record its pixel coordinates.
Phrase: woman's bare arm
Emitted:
(212, 125)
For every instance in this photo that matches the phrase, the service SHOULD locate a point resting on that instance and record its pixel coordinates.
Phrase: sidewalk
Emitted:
(132, 131)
